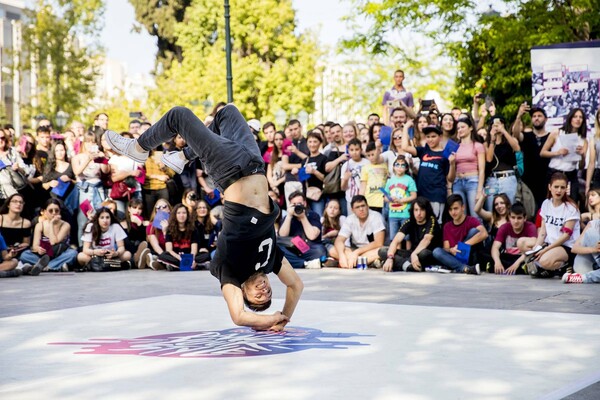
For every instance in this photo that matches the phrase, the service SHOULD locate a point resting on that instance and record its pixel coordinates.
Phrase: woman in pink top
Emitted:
(470, 165)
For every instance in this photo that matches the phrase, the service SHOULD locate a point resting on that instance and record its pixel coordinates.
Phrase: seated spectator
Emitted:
(135, 226)
(506, 255)
(401, 191)
(587, 245)
(156, 236)
(104, 237)
(208, 231)
(593, 206)
(362, 234)
(331, 222)
(462, 228)
(181, 238)
(497, 217)
(15, 229)
(558, 232)
(301, 223)
(50, 250)
(424, 234)
(373, 177)
(8, 264)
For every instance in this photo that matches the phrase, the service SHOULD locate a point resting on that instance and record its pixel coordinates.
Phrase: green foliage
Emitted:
(65, 68)
(492, 51)
(160, 18)
(273, 67)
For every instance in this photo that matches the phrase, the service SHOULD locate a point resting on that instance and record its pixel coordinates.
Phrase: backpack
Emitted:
(525, 196)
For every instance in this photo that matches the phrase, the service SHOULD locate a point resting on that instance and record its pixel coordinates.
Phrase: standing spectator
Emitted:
(88, 174)
(14, 162)
(532, 143)
(373, 118)
(269, 132)
(397, 93)
(373, 177)
(593, 170)
(501, 160)
(336, 157)
(362, 234)
(461, 228)
(448, 125)
(435, 169)
(424, 234)
(293, 157)
(315, 167)
(402, 192)
(134, 128)
(155, 184)
(305, 224)
(275, 173)
(567, 148)
(351, 171)
(470, 165)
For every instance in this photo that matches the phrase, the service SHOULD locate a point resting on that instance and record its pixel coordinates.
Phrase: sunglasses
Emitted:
(53, 210)
(397, 137)
(163, 207)
(401, 165)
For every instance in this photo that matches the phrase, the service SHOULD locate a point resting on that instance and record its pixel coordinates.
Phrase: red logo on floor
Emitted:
(235, 342)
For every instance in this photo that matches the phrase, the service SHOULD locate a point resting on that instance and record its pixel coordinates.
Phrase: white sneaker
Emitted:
(143, 259)
(174, 160)
(125, 146)
(64, 267)
(313, 264)
(150, 261)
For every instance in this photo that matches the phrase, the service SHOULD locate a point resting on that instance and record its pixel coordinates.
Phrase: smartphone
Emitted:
(426, 104)
(393, 104)
(135, 114)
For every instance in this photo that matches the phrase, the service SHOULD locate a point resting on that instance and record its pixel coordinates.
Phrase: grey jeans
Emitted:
(227, 150)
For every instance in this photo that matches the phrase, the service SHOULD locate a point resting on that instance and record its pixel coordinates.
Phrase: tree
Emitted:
(493, 52)
(160, 17)
(65, 69)
(273, 67)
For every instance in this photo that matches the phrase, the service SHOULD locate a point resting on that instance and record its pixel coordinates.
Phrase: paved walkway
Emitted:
(381, 320)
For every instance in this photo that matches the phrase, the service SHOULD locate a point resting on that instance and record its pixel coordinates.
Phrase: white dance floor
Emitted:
(185, 347)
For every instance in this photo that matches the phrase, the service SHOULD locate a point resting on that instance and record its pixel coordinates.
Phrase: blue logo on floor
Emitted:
(235, 342)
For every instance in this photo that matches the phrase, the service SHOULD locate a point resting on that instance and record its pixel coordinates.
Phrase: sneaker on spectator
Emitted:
(64, 267)
(174, 160)
(572, 278)
(472, 269)
(432, 268)
(138, 253)
(13, 273)
(313, 264)
(377, 264)
(331, 263)
(42, 263)
(125, 146)
(143, 259)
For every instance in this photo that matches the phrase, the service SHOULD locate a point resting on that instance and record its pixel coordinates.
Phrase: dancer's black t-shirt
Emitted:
(246, 244)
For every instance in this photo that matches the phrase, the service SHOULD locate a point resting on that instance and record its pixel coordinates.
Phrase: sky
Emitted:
(138, 50)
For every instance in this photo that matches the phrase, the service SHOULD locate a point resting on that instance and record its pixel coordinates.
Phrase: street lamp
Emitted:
(228, 54)
(61, 119)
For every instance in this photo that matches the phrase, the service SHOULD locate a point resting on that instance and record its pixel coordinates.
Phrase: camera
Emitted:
(299, 209)
(135, 114)
(193, 197)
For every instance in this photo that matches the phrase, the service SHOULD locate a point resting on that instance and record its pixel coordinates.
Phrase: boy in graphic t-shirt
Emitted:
(351, 171)
(462, 228)
(435, 170)
(373, 177)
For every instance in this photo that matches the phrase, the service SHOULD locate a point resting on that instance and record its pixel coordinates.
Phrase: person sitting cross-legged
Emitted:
(462, 228)
(424, 234)
(362, 234)
(301, 223)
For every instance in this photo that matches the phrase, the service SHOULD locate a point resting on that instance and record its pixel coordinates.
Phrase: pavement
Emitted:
(515, 299)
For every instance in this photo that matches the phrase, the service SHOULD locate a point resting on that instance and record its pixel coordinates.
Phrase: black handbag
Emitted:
(102, 264)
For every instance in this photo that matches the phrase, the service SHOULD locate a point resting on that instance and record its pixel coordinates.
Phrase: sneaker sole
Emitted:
(114, 148)
(171, 165)
(142, 262)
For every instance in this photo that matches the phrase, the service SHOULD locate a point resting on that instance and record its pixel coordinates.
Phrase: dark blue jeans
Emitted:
(448, 260)
(227, 150)
(316, 252)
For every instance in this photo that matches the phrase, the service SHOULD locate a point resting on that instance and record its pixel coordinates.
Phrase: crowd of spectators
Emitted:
(416, 189)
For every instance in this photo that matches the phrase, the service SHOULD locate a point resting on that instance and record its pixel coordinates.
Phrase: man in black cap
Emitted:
(532, 142)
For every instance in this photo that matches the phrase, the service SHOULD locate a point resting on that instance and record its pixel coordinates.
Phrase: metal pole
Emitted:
(228, 54)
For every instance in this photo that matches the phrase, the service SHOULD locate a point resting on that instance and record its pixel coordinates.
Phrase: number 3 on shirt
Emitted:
(266, 242)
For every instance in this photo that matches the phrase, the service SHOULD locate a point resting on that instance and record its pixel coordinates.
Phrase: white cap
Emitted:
(254, 124)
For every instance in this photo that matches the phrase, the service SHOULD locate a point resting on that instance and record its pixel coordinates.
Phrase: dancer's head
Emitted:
(257, 292)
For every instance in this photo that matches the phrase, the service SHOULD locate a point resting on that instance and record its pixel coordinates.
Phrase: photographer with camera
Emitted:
(302, 227)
